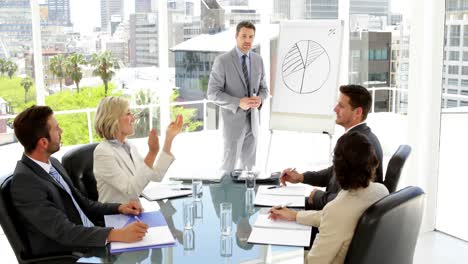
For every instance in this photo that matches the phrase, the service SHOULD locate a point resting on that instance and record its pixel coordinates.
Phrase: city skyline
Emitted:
(86, 15)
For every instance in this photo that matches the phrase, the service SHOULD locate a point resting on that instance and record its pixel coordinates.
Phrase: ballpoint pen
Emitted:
(277, 207)
(182, 189)
(137, 218)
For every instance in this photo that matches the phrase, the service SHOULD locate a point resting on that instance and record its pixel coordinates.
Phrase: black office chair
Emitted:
(79, 165)
(17, 237)
(395, 166)
(388, 230)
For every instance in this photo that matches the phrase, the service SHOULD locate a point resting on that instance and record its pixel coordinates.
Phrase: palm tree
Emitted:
(11, 68)
(57, 67)
(73, 69)
(105, 63)
(26, 83)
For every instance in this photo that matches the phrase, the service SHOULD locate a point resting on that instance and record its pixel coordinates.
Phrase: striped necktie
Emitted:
(246, 73)
(58, 178)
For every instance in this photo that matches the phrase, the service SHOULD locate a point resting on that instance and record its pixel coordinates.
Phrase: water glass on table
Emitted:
(249, 176)
(226, 246)
(197, 189)
(188, 214)
(189, 240)
(226, 218)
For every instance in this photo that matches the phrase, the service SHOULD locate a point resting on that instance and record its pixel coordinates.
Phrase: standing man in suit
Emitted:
(237, 85)
(56, 218)
(354, 103)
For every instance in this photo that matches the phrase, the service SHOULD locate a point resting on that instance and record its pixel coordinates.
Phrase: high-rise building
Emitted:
(143, 42)
(455, 70)
(399, 65)
(236, 14)
(15, 27)
(143, 6)
(234, 2)
(212, 17)
(326, 9)
(369, 64)
(108, 9)
(322, 9)
(288, 9)
(59, 12)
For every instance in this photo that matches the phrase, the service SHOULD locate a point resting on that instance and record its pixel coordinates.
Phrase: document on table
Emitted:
(279, 232)
(292, 195)
(158, 236)
(158, 191)
(205, 174)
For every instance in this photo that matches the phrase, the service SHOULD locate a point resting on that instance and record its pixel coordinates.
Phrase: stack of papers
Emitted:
(205, 174)
(279, 232)
(157, 191)
(293, 195)
(158, 234)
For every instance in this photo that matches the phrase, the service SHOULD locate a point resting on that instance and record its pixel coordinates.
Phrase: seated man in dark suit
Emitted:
(56, 218)
(351, 111)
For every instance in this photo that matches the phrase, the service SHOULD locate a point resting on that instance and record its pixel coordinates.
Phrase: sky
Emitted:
(85, 14)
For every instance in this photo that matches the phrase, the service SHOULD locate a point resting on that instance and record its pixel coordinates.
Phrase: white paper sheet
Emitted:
(157, 191)
(159, 235)
(264, 222)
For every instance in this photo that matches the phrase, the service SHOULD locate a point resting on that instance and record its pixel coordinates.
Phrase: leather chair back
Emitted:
(79, 165)
(395, 166)
(388, 230)
(16, 236)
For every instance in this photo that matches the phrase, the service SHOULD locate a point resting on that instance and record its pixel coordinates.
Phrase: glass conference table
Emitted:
(209, 246)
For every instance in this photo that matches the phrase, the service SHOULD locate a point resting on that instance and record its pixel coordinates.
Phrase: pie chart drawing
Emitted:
(306, 67)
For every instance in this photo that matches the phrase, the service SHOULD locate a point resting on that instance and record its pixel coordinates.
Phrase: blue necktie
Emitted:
(246, 73)
(58, 178)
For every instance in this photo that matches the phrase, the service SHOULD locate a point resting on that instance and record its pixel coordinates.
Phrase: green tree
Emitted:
(58, 67)
(189, 114)
(105, 64)
(73, 69)
(26, 83)
(3, 68)
(75, 126)
(11, 68)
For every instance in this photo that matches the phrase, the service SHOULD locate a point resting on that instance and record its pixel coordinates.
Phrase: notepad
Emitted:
(157, 191)
(158, 236)
(279, 232)
(292, 195)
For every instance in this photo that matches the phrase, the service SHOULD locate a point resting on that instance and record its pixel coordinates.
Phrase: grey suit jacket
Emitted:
(326, 177)
(227, 86)
(50, 220)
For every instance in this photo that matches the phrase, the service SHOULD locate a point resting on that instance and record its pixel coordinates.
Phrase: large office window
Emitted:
(453, 130)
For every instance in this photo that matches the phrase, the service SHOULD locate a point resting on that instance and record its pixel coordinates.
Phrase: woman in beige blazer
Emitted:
(355, 164)
(121, 173)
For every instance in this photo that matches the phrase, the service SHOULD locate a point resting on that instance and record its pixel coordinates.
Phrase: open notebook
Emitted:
(279, 232)
(158, 234)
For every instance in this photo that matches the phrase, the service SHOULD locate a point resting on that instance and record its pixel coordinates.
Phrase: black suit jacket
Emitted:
(48, 215)
(326, 177)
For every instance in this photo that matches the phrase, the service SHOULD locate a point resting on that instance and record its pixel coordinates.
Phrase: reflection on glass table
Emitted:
(204, 243)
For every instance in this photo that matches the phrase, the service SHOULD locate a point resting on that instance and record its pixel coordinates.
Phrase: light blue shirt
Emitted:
(247, 59)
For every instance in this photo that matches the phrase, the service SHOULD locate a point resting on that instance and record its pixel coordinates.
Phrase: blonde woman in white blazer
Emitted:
(354, 164)
(121, 173)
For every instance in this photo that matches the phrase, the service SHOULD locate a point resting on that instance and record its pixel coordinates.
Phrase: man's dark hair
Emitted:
(354, 161)
(244, 24)
(359, 96)
(31, 125)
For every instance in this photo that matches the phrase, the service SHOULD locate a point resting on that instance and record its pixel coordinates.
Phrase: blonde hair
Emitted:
(109, 110)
